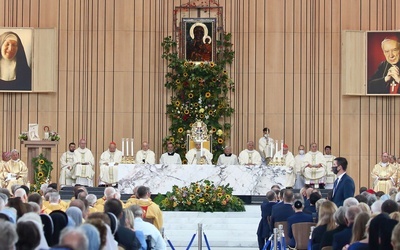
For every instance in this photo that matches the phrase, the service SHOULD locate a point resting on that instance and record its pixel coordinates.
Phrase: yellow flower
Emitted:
(214, 80)
(210, 112)
(207, 187)
(185, 74)
(201, 64)
(192, 196)
(213, 129)
(198, 190)
(41, 162)
(175, 204)
(201, 200)
(191, 63)
(212, 64)
(201, 80)
(220, 140)
(225, 72)
(219, 195)
(180, 130)
(40, 174)
(201, 116)
(189, 203)
(208, 94)
(201, 110)
(185, 64)
(178, 81)
(227, 196)
(186, 111)
(219, 132)
(183, 146)
(195, 104)
(220, 106)
(190, 95)
(177, 103)
(207, 195)
(171, 139)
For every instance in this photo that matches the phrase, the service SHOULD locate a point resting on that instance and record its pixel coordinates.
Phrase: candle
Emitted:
(127, 147)
(271, 149)
(201, 148)
(123, 150)
(276, 146)
(281, 147)
(132, 146)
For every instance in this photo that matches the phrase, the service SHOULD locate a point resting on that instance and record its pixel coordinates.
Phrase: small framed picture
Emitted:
(33, 133)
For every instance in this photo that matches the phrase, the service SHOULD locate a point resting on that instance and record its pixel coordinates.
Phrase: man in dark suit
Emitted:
(344, 237)
(264, 229)
(282, 210)
(343, 187)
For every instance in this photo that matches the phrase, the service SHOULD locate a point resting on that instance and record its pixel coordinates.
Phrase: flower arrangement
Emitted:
(23, 136)
(200, 196)
(42, 171)
(199, 92)
(54, 136)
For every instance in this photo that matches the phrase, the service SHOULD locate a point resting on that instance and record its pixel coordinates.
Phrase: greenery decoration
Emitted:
(200, 196)
(199, 92)
(54, 136)
(23, 136)
(42, 171)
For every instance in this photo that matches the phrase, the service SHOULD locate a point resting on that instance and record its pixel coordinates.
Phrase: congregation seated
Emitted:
(325, 223)
(298, 217)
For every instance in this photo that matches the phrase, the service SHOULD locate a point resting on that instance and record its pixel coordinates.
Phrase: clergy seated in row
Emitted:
(384, 174)
(83, 172)
(67, 163)
(199, 155)
(227, 158)
(314, 167)
(145, 155)
(170, 157)
(109, 161)
(287, 159)
(250, 156)
(14, 171)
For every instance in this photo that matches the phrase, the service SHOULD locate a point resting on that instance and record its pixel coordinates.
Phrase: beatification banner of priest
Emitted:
(83, 171)
(109, 161)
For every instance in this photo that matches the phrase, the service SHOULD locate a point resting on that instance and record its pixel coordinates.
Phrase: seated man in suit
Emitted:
(344, 237)
(343, 187)
(264, 228)
(283, 210)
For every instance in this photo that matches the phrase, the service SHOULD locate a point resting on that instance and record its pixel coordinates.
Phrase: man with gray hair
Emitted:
(92, 199)
(54, 203)
(74, 238)
(20, 192)
(148, 229)
(227, 158)
(8, 236)
(344, 237)
(15, 172)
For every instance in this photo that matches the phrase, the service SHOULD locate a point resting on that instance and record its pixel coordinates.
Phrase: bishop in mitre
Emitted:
(68, 160)
(198, 155)
(287, 159)
(314, 167)
(15, 171)
(250, 156)
(109, 161)
(83, 172)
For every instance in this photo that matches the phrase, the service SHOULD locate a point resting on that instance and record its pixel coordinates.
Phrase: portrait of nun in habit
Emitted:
(15, 73)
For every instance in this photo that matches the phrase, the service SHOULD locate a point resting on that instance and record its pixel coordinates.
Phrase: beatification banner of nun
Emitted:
(16, 59)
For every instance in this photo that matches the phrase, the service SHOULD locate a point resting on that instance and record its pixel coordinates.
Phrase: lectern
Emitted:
(34, 149)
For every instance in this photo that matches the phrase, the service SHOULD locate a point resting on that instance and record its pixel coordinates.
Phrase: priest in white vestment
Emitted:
(299, 162)
(145, 155)
(227, 158)
(199, 156)
(384, 175)
(67, 161)
(250, 156)
(314, 167)
(170, 157)
(15, 171)
(330, 176)
(5, 157)
(287, 158)
(266, 145)
(109, 161)
(83, 171)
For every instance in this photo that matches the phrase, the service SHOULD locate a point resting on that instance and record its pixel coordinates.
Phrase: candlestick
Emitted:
(132, 146)
(127, 147)
(201, 148)
(281, 147)
(276, 146)
(271, 148)
(123, 152)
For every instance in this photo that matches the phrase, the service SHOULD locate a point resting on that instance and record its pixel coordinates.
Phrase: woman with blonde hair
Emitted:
(359, 240)
(326, 222)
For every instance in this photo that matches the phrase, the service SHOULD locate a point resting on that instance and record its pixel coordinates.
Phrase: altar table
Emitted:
(245, 180)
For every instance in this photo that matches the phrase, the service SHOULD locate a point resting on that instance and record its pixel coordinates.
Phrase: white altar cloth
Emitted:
(245, 180)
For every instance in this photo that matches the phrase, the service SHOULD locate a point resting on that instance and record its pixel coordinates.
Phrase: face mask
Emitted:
(334, 170)
(266, 135)
(301, 152)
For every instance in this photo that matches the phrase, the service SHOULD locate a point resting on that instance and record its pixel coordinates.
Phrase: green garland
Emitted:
(199, 92)
(42, 172)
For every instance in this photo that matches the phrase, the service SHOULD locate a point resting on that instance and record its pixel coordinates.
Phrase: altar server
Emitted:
(227, 158)
(170, 157)
(83, 172)
(109, 161)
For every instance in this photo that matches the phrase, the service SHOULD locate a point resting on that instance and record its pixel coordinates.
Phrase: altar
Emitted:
(245, 180)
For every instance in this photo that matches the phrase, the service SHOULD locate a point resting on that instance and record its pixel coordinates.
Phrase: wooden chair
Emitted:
(301, 233)
(285, 227)
(327, 248)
